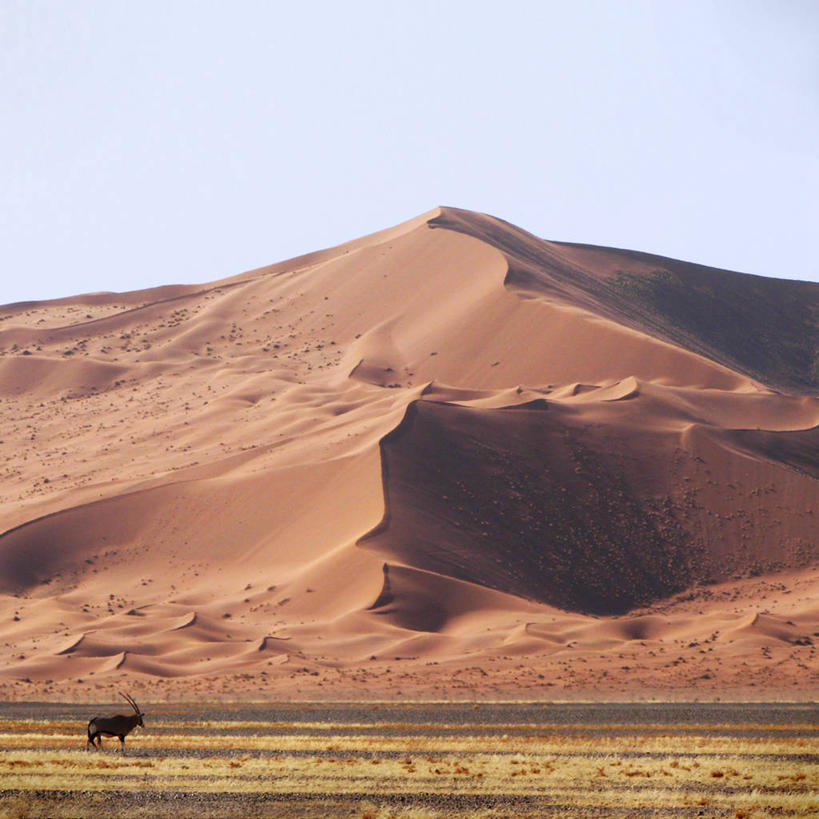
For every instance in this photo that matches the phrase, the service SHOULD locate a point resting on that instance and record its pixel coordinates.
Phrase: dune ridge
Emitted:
(449, 445)
(700, 308)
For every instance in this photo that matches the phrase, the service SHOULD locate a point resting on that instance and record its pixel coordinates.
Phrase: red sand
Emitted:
(445, 460)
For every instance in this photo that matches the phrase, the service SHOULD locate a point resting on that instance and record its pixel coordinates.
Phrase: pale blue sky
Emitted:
(149, 143)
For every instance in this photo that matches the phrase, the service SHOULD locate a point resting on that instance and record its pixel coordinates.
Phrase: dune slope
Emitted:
(449, 444)
(702, 309)
(599, 517)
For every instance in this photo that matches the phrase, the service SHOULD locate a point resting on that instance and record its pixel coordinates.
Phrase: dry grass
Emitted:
(641, 775)
(431, 772)
(553, 741)
(45, 726)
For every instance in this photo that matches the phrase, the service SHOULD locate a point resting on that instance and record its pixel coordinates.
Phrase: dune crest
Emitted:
(447, 445)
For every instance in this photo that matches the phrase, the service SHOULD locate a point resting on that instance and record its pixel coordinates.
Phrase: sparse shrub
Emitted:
(17, 807)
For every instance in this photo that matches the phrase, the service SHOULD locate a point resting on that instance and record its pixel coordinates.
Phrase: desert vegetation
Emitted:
(488, 760)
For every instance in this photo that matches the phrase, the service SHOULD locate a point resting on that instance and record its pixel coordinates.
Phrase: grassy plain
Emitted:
(417, 760)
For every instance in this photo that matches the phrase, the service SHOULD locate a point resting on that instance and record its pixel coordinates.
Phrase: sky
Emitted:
(167, 142)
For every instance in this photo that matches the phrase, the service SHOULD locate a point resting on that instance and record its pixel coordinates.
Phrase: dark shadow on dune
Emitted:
(517, 502)
(595, 517)
(409, 602)
(765, 328)
(427, 601)
(797, 449)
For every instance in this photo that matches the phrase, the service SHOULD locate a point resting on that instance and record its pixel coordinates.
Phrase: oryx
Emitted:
(118, 725)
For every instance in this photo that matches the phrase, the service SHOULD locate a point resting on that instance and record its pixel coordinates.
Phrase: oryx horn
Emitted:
(130, 701)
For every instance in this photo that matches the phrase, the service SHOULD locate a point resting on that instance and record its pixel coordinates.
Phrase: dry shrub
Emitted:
(17, 807)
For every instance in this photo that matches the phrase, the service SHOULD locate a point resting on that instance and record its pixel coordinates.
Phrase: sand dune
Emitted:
(448, 447)
(596, 511)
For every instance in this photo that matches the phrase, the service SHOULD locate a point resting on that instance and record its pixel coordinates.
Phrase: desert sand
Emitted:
(449, 460)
